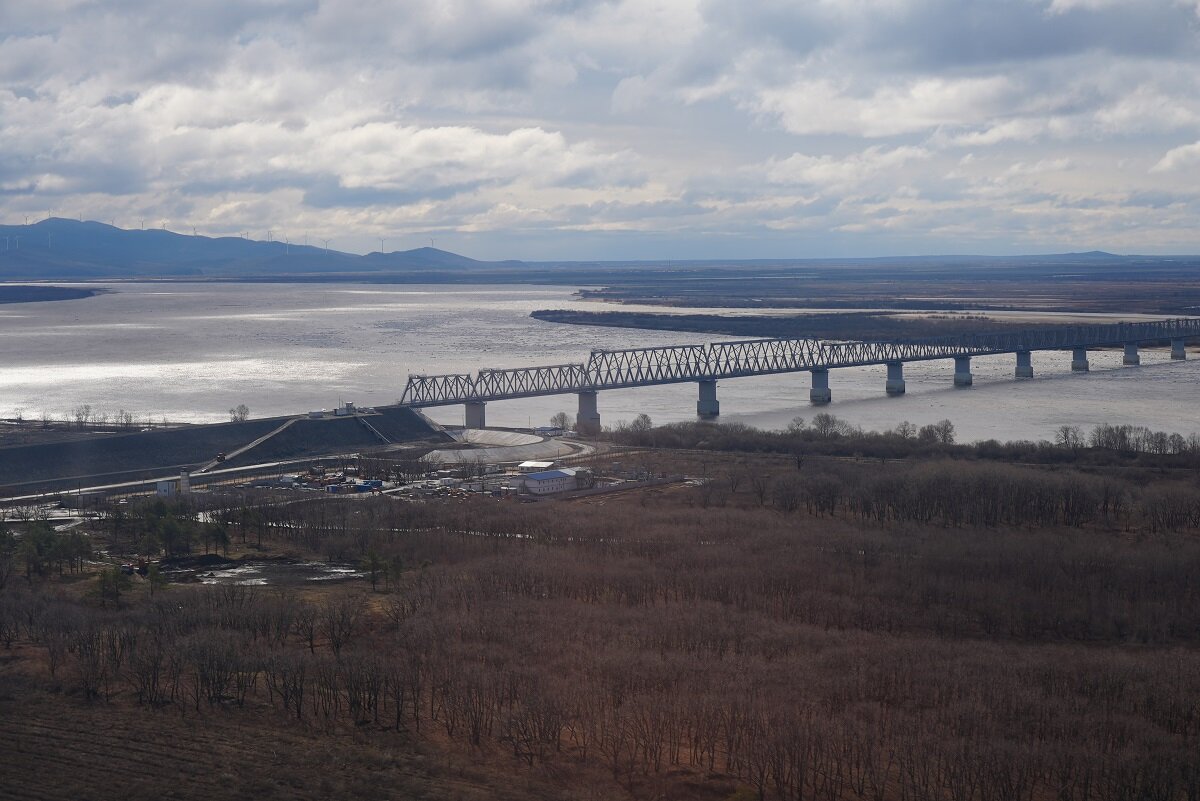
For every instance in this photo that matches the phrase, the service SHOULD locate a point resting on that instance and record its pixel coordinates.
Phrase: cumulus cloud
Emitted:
(522, 123)
(843, 173)
(1179, 157)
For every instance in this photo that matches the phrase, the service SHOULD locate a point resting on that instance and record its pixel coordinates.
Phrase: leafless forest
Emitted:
(833, 629)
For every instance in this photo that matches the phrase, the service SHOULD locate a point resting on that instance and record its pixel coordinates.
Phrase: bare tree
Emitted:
(82, 414)
(337, 621)
(641, 424)
(760, 485)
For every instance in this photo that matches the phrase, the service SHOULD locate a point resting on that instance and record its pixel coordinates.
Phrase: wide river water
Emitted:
(189, 352)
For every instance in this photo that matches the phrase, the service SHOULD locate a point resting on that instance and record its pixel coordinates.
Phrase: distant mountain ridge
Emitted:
(58, 248)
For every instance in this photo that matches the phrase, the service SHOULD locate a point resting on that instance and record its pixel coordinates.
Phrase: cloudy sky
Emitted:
(635, 129)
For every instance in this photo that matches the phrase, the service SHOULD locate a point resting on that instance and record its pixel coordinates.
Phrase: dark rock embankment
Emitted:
(308, 437)
(137, 456)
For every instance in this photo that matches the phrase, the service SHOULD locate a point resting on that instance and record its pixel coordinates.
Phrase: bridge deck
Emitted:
(641, 367)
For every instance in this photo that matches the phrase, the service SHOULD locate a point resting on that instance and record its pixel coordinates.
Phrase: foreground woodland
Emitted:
(818, 628)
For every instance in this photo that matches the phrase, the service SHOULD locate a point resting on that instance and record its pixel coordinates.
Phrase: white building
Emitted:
(548, 482)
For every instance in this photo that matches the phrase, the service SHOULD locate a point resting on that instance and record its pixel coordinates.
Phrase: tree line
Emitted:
(827, 434)
(800, 654)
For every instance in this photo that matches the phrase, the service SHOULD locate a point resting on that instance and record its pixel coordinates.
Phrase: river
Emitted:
(191, 351)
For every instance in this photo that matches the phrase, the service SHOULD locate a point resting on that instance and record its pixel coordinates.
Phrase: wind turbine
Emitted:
(269, 234)
(381, 245)
(326, 241)
(287, 246)
(142, 223)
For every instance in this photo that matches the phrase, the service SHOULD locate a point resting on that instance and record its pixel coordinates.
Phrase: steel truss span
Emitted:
(643, 367)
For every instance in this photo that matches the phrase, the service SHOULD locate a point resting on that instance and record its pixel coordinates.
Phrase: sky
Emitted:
(613, 129)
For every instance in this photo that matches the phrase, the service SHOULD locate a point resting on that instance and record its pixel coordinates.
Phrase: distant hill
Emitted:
(58, 248)
(62, 249)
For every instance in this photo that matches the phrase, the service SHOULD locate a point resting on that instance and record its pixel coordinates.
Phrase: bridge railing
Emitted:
(637, 366)
(524, 382)
(616, 369)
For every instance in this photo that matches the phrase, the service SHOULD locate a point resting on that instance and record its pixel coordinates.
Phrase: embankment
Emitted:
(137, 456)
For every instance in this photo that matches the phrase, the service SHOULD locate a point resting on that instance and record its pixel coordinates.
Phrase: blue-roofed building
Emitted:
(546, 482)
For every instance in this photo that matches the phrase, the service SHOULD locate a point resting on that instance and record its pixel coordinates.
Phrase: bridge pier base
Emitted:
(475, 415)
(707, 406)
(1177, 351)
(962, 371)
(1024, 364)
(819, 395)
(587, 420)
(1079, 360)
(895, 379)
(1131, 355)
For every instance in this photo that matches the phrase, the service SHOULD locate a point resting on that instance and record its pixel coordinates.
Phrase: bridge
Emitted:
(707, 364)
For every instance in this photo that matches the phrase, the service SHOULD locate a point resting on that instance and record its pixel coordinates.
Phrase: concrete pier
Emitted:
(1177, 350)
(962, 371)
(1079, 360)
(587, 420)
(475, 415)
(707, 406)
(895, 379)
(1131, 355)
(819, 395)
(1024, 364)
